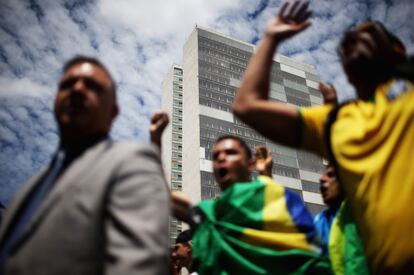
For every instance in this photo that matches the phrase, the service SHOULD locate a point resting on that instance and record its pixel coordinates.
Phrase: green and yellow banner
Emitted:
(257, 228)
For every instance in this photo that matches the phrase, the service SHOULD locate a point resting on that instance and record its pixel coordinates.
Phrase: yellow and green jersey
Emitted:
(373, 145)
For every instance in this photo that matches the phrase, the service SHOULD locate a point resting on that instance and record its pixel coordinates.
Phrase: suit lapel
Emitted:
(19, 200)
(76, 170)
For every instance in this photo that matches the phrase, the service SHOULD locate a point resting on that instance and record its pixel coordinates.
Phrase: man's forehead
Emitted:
(227, 144)
(85, 69)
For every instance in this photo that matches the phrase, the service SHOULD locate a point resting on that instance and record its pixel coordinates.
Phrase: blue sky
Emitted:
(139, 41)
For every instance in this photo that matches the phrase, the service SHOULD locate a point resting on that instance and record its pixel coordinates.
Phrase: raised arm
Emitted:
(264, 161)
(275, 120)
(159, 121)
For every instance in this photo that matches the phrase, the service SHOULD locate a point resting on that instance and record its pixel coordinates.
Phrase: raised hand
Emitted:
(292, 19)
(264, 161)
(159, 122)
(328, 92)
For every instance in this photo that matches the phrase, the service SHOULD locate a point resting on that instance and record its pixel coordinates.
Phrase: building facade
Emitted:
(213, 65)
(172, 144)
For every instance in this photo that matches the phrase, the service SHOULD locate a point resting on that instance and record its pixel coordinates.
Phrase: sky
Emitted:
(139, 41)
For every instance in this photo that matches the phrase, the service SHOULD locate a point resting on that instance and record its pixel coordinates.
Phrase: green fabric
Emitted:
(345, 248)
(218, 246)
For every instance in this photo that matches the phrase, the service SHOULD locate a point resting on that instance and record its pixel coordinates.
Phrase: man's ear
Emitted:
(114, 111)
(189, 246)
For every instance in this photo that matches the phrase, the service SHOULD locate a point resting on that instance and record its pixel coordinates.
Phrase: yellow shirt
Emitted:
(373, 144)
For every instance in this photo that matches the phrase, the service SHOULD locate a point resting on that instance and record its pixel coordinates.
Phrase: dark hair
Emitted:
(87, 59)
(394, 40)
(241, 142)
(184, 237)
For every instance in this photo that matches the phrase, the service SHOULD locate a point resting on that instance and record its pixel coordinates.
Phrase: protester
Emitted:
(91, 211)
(332, 197)
(336, 226)
(181, 254)
(369, 140)
(253, 227)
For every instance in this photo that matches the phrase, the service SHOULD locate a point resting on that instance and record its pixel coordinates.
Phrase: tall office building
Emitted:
(172, 143)
(213, 65)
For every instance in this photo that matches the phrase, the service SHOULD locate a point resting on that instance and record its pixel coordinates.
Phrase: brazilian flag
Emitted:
(256, 228)
(346, 252)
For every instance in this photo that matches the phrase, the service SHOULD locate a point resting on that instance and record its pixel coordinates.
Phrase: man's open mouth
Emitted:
(222, 172)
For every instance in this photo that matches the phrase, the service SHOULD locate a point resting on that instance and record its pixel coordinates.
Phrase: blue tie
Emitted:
(30, 206)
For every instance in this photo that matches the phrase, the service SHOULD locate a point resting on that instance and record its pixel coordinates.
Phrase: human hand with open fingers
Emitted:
(264, 161)
(159, 122)
(293, 18)
(329, 93)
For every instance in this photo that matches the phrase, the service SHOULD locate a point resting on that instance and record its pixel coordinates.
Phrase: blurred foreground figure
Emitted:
(369, 140)
(100, 207)
(253, 227)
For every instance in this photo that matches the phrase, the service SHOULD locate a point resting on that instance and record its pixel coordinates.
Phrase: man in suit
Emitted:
(99, 207)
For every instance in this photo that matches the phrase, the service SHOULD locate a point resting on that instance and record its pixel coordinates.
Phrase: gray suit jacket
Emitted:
(106, 214)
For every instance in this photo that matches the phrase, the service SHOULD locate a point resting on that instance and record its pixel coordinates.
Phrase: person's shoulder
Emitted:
(320, 109)
(133, 148)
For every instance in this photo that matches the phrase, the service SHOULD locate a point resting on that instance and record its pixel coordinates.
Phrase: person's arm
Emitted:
(159, 121)
(137, 214)
(278, 121)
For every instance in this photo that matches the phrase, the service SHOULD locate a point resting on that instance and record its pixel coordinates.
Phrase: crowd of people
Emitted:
(102, 207)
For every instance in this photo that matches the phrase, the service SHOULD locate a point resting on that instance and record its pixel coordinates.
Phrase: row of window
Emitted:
(296, 93)
(178, 96)
(315, 92)
(204, 42)
(215, 78)
(310, 162)
(177, 87)
(177, 155)
(177, 112)
(293, 78)
(297, 101)
(176, 176)
(285, 171)
(310, 186)
(208, 123)
(303, 89)
(209, 68)
(215, 105)
(222, 56)
(176, 146)
(309, 157)
(177, 119)
(219, 97)
(209, 187)
(225, 89)
(178, 72)
(221, 62)
(178, 129)
(285, 160)
(176, 186)
(315, 167)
